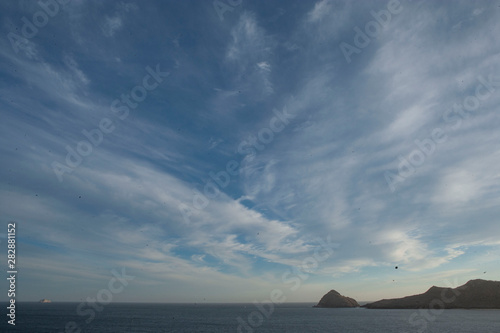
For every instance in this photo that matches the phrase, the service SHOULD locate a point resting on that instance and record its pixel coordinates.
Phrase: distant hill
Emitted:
(334, 300)
(475, 294)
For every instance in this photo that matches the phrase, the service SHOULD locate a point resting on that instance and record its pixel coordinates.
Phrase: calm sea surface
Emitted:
(245, 318)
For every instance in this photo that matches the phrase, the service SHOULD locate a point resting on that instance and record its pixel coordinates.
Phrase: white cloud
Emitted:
(73, 66)
(473, 182)
(114, 23)
(320, 10)
(327, 18)
(264, 66)
(111, 25)
(250, 51)
(322, 175)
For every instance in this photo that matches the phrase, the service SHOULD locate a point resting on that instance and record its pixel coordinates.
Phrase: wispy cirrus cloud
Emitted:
(323, 174)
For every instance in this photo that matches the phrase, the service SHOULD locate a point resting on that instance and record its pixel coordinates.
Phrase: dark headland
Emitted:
(475, 294)
(334, 300)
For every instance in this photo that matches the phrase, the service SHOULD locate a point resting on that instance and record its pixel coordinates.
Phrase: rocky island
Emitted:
(334, 300)
(475, 294)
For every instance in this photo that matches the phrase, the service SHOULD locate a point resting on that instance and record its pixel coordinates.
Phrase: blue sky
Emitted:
(382, 143)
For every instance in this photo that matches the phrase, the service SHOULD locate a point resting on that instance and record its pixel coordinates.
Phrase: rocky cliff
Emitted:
(334, 300)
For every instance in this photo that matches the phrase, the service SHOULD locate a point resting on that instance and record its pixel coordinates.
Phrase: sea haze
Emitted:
(293, 317)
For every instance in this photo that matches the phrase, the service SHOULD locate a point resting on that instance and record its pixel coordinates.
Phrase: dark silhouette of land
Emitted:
(475, 294)
(334, 300)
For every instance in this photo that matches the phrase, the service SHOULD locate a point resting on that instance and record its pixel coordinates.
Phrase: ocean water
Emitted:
(245, 318)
